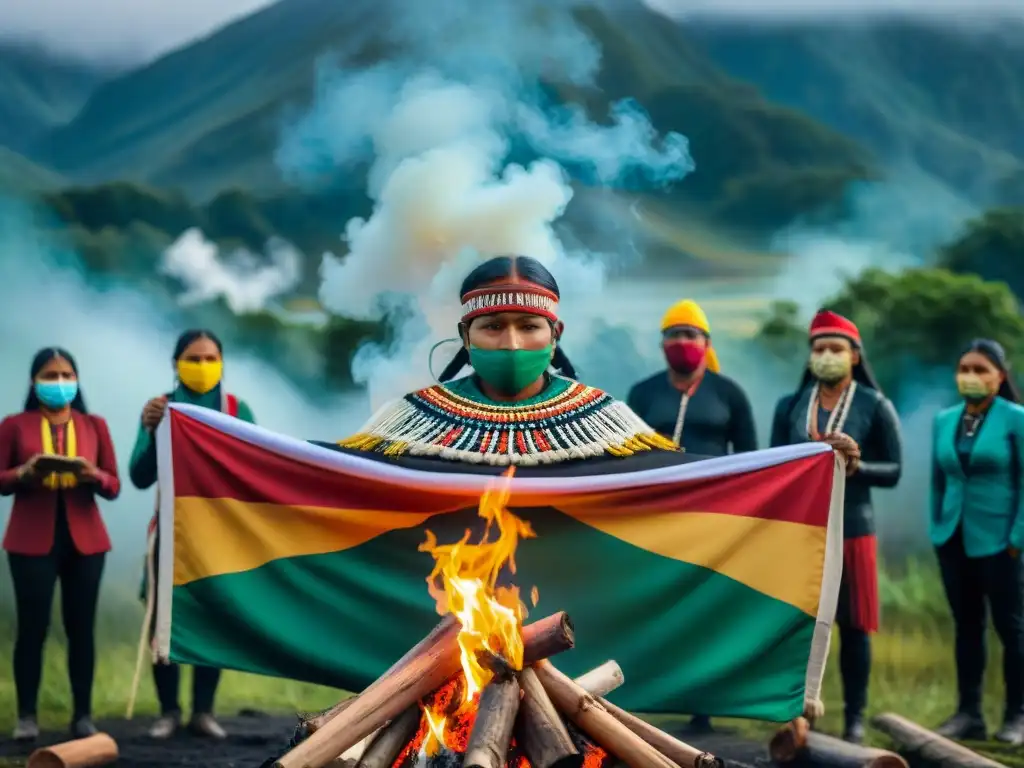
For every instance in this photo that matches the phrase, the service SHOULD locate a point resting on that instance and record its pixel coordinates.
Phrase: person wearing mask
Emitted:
(199, 364)
(699, 409)
(691, 403)
(55, 459)
(978, 531)
(839, 397)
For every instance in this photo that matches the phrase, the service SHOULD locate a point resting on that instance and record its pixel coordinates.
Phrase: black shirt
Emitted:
(718, 415)
(872, 422)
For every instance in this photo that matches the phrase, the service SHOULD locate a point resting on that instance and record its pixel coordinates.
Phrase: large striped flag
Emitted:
(712, 583)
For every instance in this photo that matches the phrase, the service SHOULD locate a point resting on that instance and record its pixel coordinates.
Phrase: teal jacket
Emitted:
(976, 482)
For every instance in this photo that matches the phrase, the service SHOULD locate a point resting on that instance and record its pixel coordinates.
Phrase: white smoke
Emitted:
(245, 281)
(122, 341)
(445, 199)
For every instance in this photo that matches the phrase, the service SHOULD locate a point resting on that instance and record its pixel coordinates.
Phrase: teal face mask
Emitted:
(510, 371)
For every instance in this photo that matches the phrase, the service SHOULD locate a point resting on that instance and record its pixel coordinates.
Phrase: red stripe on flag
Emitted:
(797, 491)
(212, 464)
(209, 463)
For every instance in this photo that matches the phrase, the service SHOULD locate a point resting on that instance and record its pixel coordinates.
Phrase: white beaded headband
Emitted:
(516, 297)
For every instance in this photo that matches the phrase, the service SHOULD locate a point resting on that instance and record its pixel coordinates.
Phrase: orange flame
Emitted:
(464, 583)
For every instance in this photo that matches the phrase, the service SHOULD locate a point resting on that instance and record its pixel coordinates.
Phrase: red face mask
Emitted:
(684, 356)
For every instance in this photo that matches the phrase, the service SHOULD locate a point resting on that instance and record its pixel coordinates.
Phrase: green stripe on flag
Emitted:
(687, 638)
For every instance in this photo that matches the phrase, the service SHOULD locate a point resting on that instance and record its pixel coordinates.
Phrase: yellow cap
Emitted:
(688, 312)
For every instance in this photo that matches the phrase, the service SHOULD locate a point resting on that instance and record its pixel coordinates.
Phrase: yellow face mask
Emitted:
(200, 377)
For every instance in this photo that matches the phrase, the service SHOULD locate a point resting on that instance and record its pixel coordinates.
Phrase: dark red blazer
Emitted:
(34, 512)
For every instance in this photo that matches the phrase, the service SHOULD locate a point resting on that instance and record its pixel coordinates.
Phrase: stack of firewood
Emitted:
(534, 717)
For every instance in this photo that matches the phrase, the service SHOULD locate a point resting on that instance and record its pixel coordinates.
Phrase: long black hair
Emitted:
(507, 268)
(43, 356)
(194, 334)
(191, 335)
(862, 372)
(993, 352)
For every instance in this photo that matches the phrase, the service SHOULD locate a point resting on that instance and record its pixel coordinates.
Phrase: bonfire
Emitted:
(480, 690)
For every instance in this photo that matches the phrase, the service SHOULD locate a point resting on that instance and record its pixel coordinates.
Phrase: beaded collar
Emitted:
(568, 420)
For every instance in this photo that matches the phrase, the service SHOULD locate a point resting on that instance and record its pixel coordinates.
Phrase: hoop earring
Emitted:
(430, 356)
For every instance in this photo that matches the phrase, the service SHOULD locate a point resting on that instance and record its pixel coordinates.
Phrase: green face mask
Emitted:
(510, 371)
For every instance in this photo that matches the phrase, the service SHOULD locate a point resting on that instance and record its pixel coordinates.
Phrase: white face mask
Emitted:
(829, 367)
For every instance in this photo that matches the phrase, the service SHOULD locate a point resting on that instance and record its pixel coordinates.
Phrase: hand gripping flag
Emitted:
(713, 584)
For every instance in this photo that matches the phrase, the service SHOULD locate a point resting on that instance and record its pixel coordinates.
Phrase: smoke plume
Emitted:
(446, 194)
(245, 281)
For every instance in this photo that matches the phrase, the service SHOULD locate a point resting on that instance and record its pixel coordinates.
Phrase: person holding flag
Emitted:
(839, 399)
(199, 366)
(334, 533)
(703, 412)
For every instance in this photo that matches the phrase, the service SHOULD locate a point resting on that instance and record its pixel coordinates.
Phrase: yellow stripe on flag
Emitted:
(231, 536)
(780, 559)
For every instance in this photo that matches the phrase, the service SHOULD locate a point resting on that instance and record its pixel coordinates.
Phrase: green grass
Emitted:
(913, 671)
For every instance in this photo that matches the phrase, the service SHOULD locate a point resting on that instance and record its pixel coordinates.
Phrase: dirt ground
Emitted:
(254, 737)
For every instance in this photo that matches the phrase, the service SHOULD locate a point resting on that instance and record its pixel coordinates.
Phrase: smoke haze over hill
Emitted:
(132, 31)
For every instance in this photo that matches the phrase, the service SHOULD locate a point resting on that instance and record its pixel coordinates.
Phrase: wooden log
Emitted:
(98, 749)
(392, 693)
(547, 637)
(495, 718)
(927, 746)
(439, 633)
(591, 717)
(679, 752)
(540, 729)
(602, 680)
(391, 739)
(796, 743)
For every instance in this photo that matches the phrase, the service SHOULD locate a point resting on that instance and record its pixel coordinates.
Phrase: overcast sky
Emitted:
(134, 30)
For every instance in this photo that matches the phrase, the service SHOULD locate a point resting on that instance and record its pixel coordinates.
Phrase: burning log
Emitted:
(594, 720)
(492, 732)
(540, 729)
(797, 744)
(548, 637)
(928, 746)
(95, 750)
(447, 630)
(383, 700)
(394, 692)
(485, 675)
(391, 739)
(677, 751)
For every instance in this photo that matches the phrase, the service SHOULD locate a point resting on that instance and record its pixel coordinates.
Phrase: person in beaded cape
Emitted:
(839, 399)
(521, 404)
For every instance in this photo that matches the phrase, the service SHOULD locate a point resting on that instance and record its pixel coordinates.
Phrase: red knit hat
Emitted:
(827, 323)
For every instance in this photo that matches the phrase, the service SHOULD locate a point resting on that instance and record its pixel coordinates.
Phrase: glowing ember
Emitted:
(464, 583)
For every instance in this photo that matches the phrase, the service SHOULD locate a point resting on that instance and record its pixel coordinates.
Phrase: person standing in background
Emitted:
(700, 410)
(55, 530)
(839, 401)
(691, 403)
(199, 363)
(978, 531)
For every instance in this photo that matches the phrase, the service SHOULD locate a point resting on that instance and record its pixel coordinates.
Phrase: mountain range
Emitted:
(781, 118)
